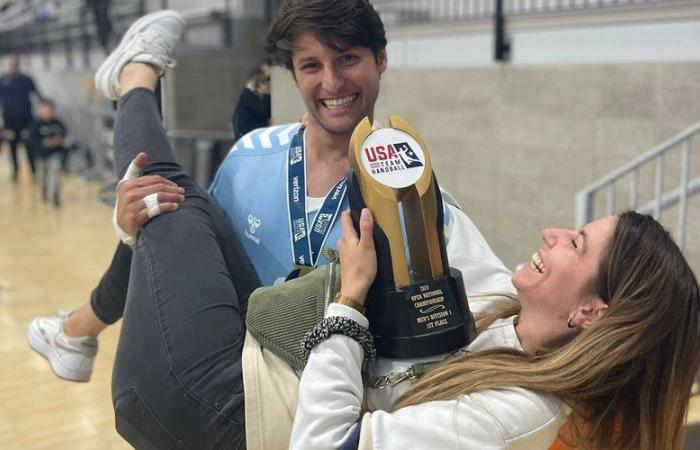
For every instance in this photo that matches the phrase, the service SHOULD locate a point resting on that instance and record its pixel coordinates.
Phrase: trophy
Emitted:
(417, 306)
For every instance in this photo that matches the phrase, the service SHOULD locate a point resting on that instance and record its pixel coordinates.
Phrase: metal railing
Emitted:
(663, 198)
(405, 12)
(74, 25)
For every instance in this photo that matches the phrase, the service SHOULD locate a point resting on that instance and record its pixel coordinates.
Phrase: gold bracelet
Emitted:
(348, 301)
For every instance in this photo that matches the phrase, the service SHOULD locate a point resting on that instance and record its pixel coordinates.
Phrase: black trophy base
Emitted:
(422, 319)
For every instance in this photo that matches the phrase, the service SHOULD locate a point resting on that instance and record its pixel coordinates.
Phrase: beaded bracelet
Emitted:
(340, 325)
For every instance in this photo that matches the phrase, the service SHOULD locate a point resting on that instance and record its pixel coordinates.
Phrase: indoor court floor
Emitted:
(49, 260)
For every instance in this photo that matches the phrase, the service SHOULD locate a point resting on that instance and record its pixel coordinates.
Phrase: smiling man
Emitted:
(336, 54)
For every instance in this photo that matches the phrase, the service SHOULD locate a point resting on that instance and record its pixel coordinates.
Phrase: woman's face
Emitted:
(561, 274)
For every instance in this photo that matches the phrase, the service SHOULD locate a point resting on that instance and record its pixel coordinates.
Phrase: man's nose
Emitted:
(332, 80)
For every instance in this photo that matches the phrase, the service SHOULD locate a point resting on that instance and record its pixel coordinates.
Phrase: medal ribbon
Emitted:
(308, 242)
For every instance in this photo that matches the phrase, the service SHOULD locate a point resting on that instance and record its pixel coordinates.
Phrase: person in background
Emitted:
(254, 105)
(44, 137)
(15, 91)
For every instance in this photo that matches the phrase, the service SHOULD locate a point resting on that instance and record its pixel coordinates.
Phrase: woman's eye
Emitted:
(573, 242)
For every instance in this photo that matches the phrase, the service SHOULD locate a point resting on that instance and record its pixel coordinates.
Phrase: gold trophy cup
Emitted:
(417, 306)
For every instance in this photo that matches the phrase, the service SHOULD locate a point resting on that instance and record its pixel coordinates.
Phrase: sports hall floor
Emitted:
(51, 259)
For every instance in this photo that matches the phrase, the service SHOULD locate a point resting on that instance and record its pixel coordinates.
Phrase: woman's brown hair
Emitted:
(629, 375)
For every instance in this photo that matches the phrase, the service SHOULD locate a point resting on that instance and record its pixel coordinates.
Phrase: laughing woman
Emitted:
(604, 327)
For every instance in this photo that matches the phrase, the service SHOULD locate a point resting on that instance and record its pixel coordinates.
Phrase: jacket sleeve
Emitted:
(328, 414)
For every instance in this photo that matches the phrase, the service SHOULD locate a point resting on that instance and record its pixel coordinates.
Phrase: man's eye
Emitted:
(349, 58)
(573, 242)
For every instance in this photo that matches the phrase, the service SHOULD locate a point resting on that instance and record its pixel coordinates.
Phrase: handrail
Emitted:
(407, 12)
(662, 200)
(645, 157)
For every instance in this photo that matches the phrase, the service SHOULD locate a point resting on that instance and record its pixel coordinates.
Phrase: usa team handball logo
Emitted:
(393, 157)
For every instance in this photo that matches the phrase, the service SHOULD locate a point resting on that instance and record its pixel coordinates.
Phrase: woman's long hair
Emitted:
(629, 375)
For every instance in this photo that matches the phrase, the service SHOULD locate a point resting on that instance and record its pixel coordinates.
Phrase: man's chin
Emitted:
(339, 128)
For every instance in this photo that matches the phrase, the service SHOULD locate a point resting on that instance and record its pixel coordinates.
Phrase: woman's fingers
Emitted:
(349, 232)
(366, 224)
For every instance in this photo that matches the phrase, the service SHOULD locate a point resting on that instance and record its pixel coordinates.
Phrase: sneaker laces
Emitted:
(159, 49)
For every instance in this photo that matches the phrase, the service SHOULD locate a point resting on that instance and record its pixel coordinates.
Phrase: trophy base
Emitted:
(422, 319)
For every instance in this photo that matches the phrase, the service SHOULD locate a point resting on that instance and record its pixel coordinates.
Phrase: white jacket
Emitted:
(331, 395)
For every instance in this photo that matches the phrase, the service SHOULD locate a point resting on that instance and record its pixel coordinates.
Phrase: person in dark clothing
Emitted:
(100, 9)
(15, 91)
(254, 106)
(44, 138)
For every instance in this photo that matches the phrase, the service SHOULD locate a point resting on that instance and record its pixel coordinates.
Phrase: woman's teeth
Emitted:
(337, 103)
(536, 263)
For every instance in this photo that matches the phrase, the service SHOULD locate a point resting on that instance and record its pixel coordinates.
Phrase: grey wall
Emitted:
(515, 144)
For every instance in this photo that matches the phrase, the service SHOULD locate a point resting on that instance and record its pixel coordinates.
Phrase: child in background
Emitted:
(45, 135)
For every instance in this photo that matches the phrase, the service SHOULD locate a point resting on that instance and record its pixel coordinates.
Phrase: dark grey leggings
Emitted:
(177, 380)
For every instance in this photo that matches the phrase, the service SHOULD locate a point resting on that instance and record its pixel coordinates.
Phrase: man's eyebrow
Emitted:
(306, 59)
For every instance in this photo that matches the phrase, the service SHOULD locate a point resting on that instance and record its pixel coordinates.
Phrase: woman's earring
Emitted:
(569, 323)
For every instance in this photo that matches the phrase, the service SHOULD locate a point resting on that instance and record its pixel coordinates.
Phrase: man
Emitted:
(337, 69)
(15, 91)
(254, 105)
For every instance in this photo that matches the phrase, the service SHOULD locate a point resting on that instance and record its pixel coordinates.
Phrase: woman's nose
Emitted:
(548, 237)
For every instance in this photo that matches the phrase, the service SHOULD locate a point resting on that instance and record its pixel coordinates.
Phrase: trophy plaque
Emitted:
(417, 305)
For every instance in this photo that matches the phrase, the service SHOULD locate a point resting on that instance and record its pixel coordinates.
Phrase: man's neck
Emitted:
(326, 159)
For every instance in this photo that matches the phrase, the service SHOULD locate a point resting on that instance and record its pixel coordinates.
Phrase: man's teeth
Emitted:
(537, 263)
(337, 103)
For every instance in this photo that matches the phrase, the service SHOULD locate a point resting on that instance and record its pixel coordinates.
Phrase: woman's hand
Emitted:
(358, 259)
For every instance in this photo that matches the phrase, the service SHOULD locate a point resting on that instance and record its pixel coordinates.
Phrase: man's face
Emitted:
(12, 62)
(338, 89)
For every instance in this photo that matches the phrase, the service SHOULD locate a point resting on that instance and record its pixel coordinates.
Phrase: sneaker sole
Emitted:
(45, 350)
(136, 27)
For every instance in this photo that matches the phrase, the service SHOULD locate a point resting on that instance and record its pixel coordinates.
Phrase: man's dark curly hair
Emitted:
(337, 24)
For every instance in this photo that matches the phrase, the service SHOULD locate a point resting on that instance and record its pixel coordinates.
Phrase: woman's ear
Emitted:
(589, 311)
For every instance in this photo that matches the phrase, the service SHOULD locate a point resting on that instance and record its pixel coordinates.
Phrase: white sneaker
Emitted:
(70, 358)
(150, 40)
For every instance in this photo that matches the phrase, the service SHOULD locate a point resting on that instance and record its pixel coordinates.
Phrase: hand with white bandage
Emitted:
(140, 198)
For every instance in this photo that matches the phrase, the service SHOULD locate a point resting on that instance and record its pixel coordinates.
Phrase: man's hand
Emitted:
(132, 212)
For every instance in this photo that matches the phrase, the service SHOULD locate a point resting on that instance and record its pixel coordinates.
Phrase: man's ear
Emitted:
(382, 60)
(590, 311)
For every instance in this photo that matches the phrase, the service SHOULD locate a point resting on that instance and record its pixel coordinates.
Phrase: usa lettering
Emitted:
(380, 153)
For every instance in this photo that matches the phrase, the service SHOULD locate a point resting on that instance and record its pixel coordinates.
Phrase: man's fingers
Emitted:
(135, 195)
(132, 172)
(141, 160)
(167, 197)
(142, 217)
(168, 207)
(152, 206)
(148, 180)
